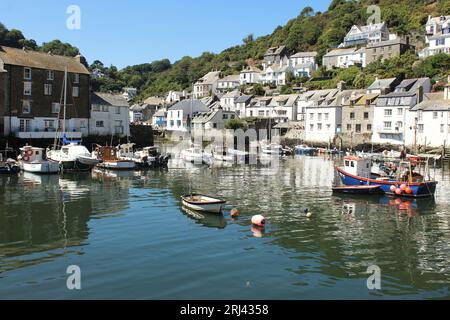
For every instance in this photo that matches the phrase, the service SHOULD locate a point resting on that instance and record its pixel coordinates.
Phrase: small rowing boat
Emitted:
(358, 189)
(203, 203)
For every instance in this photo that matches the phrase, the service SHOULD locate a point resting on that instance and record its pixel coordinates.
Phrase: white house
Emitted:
(228, 83)
(175, 96)
(242, 104)
(304, 63)
(277, 74)
(344, 58)
(437, 36)
(429, 121)
(228, 100)
(369, 34)
(392, 111)
(207, 85)
(109, 115)
(250, 75)
(129, 93)
(211, 120)
(179, 116)
(285, 108)
(323, 119)
(260, 108)
(276, 56)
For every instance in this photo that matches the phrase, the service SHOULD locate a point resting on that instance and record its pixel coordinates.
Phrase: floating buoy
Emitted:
(399, 191)
(308, 214)
(408, 190)
(259, 221)
(403, 187)
(393, 189)
(234, 213)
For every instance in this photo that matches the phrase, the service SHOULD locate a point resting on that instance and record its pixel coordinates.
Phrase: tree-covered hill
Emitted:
(310, 30)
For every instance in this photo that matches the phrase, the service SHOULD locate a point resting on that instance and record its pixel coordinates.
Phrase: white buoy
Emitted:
(259, 221)
(308, 214)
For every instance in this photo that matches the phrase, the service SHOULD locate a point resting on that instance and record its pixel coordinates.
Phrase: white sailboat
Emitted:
(71, 157)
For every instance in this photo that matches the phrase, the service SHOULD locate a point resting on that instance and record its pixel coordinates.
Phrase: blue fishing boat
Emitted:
(406, 182)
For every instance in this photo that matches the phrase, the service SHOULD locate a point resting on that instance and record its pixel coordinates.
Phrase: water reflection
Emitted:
(45, 218)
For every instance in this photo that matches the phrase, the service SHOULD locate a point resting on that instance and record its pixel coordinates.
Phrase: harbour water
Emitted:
(130, 238)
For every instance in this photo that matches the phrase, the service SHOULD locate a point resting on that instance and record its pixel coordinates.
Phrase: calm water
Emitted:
(131, 239)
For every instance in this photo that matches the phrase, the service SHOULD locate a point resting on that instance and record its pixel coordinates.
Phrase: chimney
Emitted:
(419, 94)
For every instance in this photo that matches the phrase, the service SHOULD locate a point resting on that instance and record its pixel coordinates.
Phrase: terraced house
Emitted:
(31, 86)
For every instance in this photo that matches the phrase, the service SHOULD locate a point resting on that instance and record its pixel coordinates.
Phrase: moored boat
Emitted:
(198, 202)
(194, 154)
(406, 183)
(370, 189)
(304, 150)
(72, 157)
(109, 159)
(32, 160)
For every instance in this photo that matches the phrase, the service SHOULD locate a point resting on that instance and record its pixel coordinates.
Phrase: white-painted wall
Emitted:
(330, 119)
(110, 115)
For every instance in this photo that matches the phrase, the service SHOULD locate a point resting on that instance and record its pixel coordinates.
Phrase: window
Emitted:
(435, 115)
(117, 110)
(118, 127)
(387, 125)
(76, 78)
(172, 123)
(327, 115)
(27, 73)
(25, 125)
(50, 75)
(82, 124)
(400, 111)
(215, 125)
(442, 128)
(352, 116)
(388, 112)
(319, 117)
(366, 115)
(27, 88)
(48, 89)
(179, 123)
(420, 127)
(56, 107)
(419, 115)
(26, 106)
(76, 92)
(311, 116)
(49, 124)
(99, 124)
(349, 127)
(319, 127)
(369, 127)
(358, 128)
(96, 108)
(311, 127)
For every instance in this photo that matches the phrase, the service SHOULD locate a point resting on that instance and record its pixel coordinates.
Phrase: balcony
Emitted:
(46, 135)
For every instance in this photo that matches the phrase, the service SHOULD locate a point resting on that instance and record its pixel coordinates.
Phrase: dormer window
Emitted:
(76, 78)
(27, 73)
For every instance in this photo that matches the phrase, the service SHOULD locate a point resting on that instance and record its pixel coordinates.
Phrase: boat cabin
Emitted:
(31, 154)
(358, 166)
(126, 150)
(106, 153)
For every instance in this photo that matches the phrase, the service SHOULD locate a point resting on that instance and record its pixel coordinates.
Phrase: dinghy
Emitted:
(203, 203)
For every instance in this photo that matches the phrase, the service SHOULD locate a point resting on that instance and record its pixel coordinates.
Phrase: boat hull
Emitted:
(358, 190)
(9, 169)
(117, 165)
(419, 190)
(46, 167)
(73, 166)
(211, 206)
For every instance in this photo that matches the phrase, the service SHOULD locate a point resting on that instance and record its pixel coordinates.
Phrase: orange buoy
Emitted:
(408, 190)
(259, 221)
(234, 213)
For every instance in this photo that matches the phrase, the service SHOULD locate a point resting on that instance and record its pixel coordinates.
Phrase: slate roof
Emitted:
(40, 60)
(304, 54)
(109, 99)
(186, 105)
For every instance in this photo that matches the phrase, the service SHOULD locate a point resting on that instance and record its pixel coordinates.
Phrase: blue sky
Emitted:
(139, 31)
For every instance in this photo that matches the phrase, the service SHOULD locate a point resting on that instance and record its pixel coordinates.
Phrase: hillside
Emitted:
(310, 30)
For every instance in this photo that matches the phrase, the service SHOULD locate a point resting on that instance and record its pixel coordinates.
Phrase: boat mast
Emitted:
(65, 102)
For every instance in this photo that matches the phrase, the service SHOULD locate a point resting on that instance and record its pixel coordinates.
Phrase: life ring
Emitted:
(26, 158)
(29, 152)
